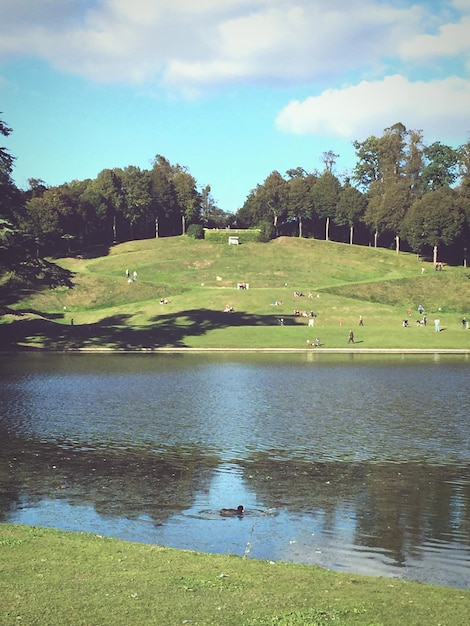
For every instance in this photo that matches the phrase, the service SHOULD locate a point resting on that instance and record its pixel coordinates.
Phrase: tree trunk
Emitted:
(156, 228)
(300, 227)
(351, 234)
(434, 255)
(397, 244)
(327, 229)
(183, 224)
(114, 230)
(376, 236)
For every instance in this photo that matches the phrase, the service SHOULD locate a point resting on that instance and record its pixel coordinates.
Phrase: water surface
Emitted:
(356, 463)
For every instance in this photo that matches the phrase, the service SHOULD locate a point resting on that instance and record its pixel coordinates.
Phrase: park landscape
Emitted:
(50, 576)
(183, 286)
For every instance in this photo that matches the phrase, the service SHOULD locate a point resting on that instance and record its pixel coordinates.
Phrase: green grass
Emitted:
(199, 278)
(52, 578)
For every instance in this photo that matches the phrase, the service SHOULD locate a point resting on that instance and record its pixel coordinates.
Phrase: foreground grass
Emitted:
(50, 577)
(199, 278)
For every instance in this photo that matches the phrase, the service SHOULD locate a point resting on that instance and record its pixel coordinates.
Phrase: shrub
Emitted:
(266, 232)
(222, 235)
(196, 231)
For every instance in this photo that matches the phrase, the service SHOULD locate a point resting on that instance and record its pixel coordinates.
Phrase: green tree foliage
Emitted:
(211, 215)
(350, 208)
(325, 194)
(435, 219)
(196, 231)
(188, 198)
(393, 172)
(135, 185)
(441, 166)
(14, 243)
(300, 197)
(464, 169)
(389, 169)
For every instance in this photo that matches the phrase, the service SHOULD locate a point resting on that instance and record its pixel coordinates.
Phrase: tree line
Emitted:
(400, 192)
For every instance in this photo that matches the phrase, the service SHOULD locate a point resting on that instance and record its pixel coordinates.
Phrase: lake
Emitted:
(357, 463)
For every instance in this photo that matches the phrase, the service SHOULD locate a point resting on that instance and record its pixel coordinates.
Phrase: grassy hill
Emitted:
(199, 278)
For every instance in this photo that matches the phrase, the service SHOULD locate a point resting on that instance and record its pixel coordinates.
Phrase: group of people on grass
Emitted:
(133, 278)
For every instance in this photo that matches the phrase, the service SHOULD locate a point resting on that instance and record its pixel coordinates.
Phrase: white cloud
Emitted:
(189, 44)
(452, 40)
(440, 108)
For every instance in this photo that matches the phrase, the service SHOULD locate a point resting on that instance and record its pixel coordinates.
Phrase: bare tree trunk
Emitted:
(156, 228)
(327, 229)
(434, 255)
(300, 227)
(376, 236)
(183, 224)
(351, 234)
(397, 244)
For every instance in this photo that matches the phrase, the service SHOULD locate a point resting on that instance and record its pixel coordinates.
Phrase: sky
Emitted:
(230, 89)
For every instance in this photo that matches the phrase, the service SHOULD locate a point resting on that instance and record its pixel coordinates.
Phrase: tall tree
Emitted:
(137, 195)
(300, 198)
(325, 194)
(389, 169)
(109, 186)
(13, 240)
(164, 205)
(188, 198)
(328, 159)
(273, 196)
(441, 166)
(464, 169)
(436, 219)
(350, 208)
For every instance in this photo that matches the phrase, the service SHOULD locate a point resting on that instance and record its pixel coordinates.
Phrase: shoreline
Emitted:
(175, 350)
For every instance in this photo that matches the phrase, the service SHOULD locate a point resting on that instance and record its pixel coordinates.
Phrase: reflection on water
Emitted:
(357, 465)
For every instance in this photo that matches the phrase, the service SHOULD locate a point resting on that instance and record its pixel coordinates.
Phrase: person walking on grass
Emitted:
(351, 337)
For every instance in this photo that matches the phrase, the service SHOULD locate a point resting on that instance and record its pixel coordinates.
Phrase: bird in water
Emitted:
(232, 512)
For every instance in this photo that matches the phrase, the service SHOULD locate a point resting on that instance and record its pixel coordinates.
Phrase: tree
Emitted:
(328, 159)
(14, 242)
(441, 166)
(211, 215)
(387, 207)
(325, 195)
(49, 219)
(111, 206)
(273, 196)
(137, 196)
(464, 169)
(164, 202)
(367, 168)
(435, 219)
(300, 200)
(350, 208)
(389, 170)
(188, 198)
(10, 197)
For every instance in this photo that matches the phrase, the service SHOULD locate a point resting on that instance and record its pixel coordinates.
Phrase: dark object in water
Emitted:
(231, 512)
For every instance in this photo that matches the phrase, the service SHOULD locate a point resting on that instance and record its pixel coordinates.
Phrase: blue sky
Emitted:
(231, 89)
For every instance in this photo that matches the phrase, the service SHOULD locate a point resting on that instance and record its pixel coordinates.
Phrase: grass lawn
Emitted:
(50, 577)
(199, 278)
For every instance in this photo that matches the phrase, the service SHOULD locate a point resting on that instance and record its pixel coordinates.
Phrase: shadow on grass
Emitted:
(29, 278)
(171, 330)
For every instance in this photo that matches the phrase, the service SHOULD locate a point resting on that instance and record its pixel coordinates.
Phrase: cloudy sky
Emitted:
(232, 89)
